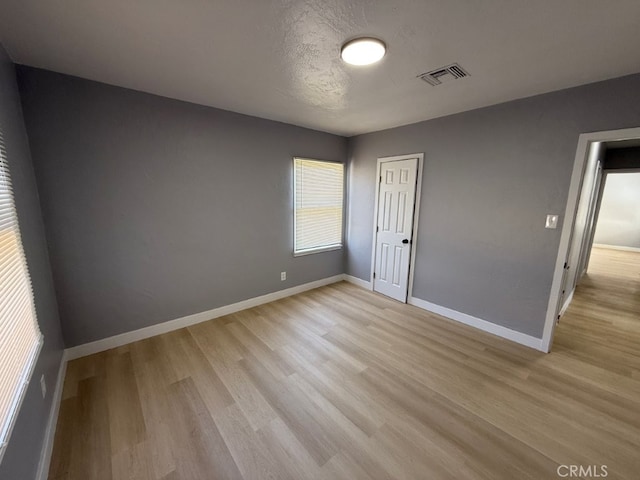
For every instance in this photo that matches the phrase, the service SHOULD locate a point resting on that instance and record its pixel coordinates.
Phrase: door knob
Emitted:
(405, 241)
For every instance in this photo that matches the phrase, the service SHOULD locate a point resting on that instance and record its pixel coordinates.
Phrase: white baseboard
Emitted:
(50, 433)
(160, 328)
(617, 247)
(122, 339)
(484, 325)
(358, 281)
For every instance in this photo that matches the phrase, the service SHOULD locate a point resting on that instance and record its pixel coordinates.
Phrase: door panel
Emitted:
(397, 266)
(396, 198)
(384, 255)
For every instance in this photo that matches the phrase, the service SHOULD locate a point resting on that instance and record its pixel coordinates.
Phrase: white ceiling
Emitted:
(279, 59)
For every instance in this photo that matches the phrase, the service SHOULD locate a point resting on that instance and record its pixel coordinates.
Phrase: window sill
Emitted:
(311, 251)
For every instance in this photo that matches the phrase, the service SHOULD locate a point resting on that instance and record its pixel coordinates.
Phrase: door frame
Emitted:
(589, 227)
(591, 233)
(577, 176)
(416, 216)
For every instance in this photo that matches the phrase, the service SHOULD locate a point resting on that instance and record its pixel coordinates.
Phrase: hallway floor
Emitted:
(602, 325)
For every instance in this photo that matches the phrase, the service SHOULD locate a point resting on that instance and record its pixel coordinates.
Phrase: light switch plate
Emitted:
(552, 221)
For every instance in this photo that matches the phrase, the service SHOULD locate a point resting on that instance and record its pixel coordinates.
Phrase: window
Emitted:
(318, 205)
(20, 337)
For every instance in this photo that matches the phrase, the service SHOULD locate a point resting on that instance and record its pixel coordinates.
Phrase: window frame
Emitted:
(324, 248)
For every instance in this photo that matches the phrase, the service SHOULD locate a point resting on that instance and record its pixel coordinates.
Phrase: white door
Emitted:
(394, 228)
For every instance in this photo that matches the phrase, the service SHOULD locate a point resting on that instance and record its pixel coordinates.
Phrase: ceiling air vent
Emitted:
(444, 74)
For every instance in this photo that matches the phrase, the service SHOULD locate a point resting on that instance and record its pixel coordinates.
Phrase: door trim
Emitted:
(584, 145)
(594, 223)
(416, 216)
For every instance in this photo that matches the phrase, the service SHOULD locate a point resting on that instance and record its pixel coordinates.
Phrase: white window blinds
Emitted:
(20, 337)
(318, 205)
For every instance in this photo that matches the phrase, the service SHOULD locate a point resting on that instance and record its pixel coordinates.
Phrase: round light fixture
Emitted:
(363, 51)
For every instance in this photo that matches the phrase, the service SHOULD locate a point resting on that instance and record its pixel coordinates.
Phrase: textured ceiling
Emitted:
(280, 59)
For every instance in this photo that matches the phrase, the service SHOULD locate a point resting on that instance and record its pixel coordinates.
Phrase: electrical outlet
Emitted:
(43, 386)
(283, 276)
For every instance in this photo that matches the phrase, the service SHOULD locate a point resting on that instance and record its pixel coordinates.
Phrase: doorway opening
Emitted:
(396, 225)
(603, 209)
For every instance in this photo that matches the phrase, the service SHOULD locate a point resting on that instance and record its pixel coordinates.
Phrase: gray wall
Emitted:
(619, 218)
(491, 176)
(22, 456)
(156, 209)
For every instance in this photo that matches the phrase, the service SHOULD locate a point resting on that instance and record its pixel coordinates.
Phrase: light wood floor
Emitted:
(340, 383)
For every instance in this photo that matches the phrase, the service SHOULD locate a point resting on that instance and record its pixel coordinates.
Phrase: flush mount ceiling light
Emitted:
(363, 51)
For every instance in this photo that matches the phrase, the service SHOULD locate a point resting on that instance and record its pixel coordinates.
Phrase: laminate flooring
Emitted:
(341, 383)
